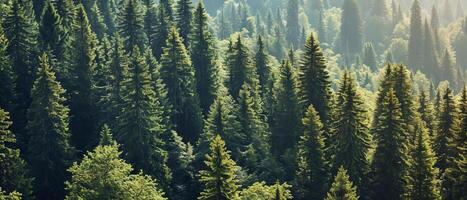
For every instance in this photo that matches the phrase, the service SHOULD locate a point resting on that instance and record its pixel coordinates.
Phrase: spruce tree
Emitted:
(203, 56)
(293, 28)
(311, 175)
(424, 175)
(21, 31)
(220, 178)
(52, 37)
(449, 71)
(178, 74)
(97, 20)
(183, 19)
(351, 29)
(14, 174)
(322, 29)
(427, 113)
(264, 70)
(313, 79)
(286, 116)
(7, 76)
(403, 88)
(167, 6)
(415, 55)
(131, 25)
(49, 150)
(105, 6)
(351, 140)
(342, 188)
(66, 10)
(369, 57)
(140, 124)
(159, 38)
(83, 120)
(430, 59)
(388, 168)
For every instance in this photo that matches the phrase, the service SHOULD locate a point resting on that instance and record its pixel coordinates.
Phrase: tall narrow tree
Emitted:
(7, 76)
(183, 18)
(416, 38)
(342, 188)
(131, 25)
(292, 27)
(351, 29)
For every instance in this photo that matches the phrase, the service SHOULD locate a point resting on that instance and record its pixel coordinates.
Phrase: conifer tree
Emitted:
(83, 63)
(178, 75)
(183, 19)
(7, 76)
(396, 15)
(427, 113)
(449, 69)
(151, 24)
(293, 28)
(425, 184)
(203, 56)
(351, 35)
(388, 168)
(21, 31)
(351, 140)
(369, 57)
(140, 124)
(434, 18)
(286, 116)
(313, 78)
(159, 38)
(108, 15)
(97, 20)
(264, 70)
(52, 34)
(167, 6)
(220, 177)
(342, 188)
(416, 38)
(277, 49)
(89, 181)
(322, 29)
(430, 59)
(49, 150)
(66, 10)
(14, 174)
(311, 175)
(224, 27)
(403, 88)
(131, 25)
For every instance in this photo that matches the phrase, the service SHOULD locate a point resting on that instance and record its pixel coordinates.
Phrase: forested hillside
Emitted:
(233, 99)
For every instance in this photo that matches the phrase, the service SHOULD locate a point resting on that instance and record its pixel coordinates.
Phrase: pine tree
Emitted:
(21, 31)
(277, 49)
(203, 57)
(220, 178)
(403, 88)
(388, 168)
(140, 124)
(178, 75)
(166, 5)
(49, 150)
(369, 57)
(52, 37)
(66, 9)
(311, 175)
(7, 76)
(351, 35)
(286, 116)
(293, 28)
(416, 38)
(97, 20)
(224, 27)
(342, 188)
(105, 6)
(83, 122)
(425, 184)
(430, 59)
(449, 69)
(264, 70)
(183, 18)
(14, 174)
(159, 38)
(427, 113)
(131, 25)
(351, 140)
(313, 78)
(90, 181)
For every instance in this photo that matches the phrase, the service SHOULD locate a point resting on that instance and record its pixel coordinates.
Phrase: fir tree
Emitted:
(224, 27)
(178, 74)
(351, 29)
(14, 174)
(66, 9)
(427, 113)
(425, 184)
(311, 176)
(96, 20)
(183, 18)
(449, 69)
(7, 76)
(388, 168)
(403, 88)
(49, 150)
(293, 28)
(159, 38)
(430, 59)
(369, 57)
(277, 49)
(140, 126)
(203, 56)
(313, 78)
(83, 121)
(52, 35)
(220, 178)
(286, 115)
(131, 25)
(416, 38)
(264, 70)
(351, 140)
(166, 5)
(342, 188)
(105, 6)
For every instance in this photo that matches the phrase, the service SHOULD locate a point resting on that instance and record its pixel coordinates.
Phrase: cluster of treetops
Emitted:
(135, 99)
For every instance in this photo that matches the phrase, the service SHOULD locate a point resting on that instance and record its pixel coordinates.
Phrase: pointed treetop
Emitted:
(106, 136)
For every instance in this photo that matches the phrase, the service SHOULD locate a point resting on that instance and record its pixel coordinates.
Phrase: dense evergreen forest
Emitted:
(233, 99)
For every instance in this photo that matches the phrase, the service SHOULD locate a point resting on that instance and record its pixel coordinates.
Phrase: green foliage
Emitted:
(7, 76)
(11, 196)
(183, 18)
(49, 150)
(369, 57)
(52, 36)
(427, 113)
(416, 37)
(342, 188)
(351, 36)
(261, 191)
(293, 28)
(311, 176)
(220, 178)
(131, 25)
(102, 174)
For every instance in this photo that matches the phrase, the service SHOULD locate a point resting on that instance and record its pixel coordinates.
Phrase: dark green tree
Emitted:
(293, 28)
(7, 76)
(52, 35)
(369, 57)
(416, 38)
(264, 70)
(220, 178)
(167, 6)
(108, 14)
(49, 151)
(313, 79)
(351, 140)
(351, 36)
(203, 56)
(427, 113)
(388, 168)
(131, 25)
(183, 19)
(14, 174)
(97, 20)
(430, 58)
(342, 188)
(66, 9)
(140, 124)
(178, 75)
(311, 175)
(449, 71)
(161, 34)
